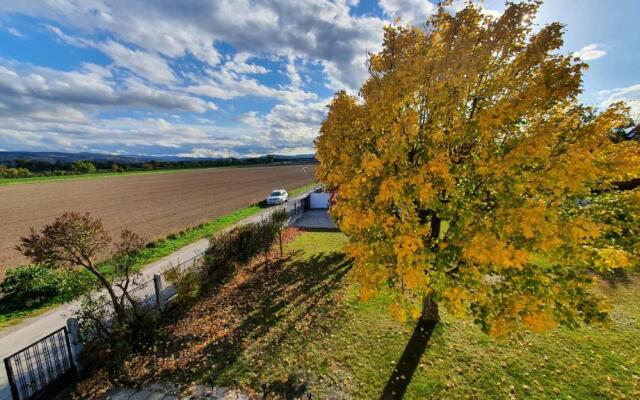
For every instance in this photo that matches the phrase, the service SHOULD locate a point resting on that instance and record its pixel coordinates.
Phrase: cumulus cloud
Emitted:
(289, 126)
(292, 73)
(166, 58)
(630, 95)
(209, 153)
(29, 90)
(224, 84)
(152, 136)
(251, 118)
(145, 64)
(590, 52)
(413, 12)
(240, 65)
(323, 30)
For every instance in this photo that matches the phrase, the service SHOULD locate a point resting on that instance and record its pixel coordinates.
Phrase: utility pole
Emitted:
(306, 177)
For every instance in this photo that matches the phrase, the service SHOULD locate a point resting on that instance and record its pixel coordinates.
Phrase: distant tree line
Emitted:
(23, 168)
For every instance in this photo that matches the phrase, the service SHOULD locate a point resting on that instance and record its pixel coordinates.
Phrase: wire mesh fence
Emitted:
(144, 294)
(168, 289)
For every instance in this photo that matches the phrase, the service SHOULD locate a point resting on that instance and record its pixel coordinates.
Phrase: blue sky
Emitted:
(232, 78)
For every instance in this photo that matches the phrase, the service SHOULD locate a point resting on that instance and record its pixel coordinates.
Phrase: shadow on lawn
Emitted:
(401, 377)
(265, 308)
(617, 277)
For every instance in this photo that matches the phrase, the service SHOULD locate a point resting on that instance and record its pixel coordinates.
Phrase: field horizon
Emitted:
(152, 204)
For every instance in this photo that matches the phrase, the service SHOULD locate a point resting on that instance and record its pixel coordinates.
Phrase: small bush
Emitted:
(232, 249)
(107, 341)
(83, 167)
(219, 260)
(187, 282)
(6, 172)
(31, 285)
(172, 236)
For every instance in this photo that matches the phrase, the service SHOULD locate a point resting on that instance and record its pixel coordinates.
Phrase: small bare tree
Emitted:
(279, 220)
(124, 260)
(74, 239)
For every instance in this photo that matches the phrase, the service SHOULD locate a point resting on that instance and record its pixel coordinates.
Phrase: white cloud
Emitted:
(492, 13)
(251, 118)
(293, 125)
(223, 84)
(15, 32)
(208, 153)
(152, 44)
(239, 65)
(417, 12)
(147, 65)
(321, 30)
(630, 95)
(33, 91)
(413, 12)
(293, 74)
(590, 52)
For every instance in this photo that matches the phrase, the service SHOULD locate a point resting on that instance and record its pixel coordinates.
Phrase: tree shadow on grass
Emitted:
(401, 377)
(292, 388)
(617, 277)
(256, 311)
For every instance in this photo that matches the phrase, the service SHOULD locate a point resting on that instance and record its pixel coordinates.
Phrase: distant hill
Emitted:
(8, 157)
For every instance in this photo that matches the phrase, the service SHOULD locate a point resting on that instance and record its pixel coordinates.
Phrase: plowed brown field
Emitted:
(152, 205)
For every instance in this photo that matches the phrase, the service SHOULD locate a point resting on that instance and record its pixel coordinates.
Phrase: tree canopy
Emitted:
(79, 240)
(462, 173)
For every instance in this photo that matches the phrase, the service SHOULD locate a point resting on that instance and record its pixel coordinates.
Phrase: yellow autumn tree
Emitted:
(461, 171)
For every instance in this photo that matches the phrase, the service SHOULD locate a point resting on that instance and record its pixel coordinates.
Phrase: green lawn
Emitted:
(300, 190)
(299, 327)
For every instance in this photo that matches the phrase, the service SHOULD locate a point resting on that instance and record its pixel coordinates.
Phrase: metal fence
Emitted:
(144, 294)
(299, 206)
(167, 289)
(41, 368)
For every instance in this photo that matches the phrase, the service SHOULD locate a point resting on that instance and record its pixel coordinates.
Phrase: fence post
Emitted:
(73, 330)
(157, 284)
(11, 379)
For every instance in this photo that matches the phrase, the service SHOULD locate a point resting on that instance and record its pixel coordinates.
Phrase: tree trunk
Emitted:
(408, 363)
(112, 294)
(436, 223)
(430, 311)
(280, 239)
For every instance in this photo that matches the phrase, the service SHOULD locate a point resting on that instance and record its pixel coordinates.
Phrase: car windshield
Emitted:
(276, 193)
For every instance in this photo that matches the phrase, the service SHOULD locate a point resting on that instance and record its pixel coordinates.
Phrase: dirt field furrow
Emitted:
(153, 205)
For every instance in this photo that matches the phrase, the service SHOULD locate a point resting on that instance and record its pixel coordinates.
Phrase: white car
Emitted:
(278, 196)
